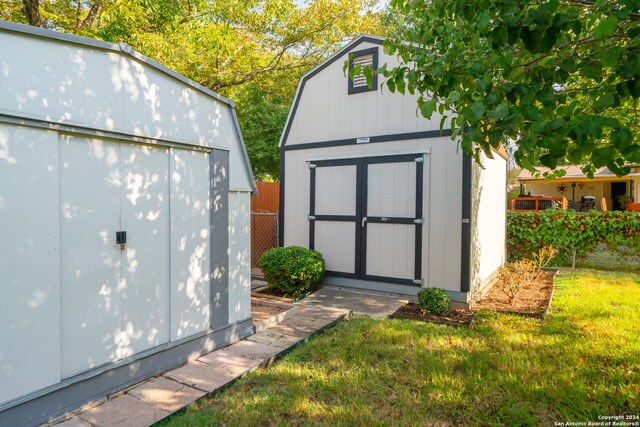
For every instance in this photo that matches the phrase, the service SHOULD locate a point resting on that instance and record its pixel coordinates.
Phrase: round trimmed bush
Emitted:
(293, 270)
(434, 301)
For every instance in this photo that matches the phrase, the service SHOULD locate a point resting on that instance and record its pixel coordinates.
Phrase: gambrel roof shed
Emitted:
(124, 207)
(385, 195)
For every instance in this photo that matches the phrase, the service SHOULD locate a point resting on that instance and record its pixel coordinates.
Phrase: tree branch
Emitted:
(91, 16)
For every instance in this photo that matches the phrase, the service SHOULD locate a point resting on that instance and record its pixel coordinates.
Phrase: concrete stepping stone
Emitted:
(123, 411)
(201, 376)
(252, 350)
(165, 393)
(74, 422)
(233, 363)
(275, 339)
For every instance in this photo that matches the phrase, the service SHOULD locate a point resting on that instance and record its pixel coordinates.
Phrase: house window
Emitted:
(363, 58)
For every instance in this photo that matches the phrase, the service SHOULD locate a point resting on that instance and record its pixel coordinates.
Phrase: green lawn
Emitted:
(581, 362)
(604, 259)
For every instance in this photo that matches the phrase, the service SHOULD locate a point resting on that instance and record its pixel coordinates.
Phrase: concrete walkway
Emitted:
(160, 396)
(360, 302)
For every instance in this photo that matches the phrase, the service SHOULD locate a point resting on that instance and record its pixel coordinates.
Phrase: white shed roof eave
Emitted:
(123, 48)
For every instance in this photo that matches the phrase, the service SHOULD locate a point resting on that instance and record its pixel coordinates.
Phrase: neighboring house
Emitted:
(124, 214)
(390, 201)
(575, 184)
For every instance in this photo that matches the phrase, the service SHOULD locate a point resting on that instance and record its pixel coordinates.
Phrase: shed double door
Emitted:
(366, 217)
(118, 300)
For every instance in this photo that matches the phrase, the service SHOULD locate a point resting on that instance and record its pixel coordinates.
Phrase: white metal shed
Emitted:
(389, 200)
(124, 214)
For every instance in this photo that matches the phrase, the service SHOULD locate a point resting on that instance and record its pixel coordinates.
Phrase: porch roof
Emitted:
(575, 174)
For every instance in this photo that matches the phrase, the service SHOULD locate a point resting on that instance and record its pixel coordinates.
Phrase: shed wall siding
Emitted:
(29, 261)
(239, 256)
(33, 210)
(73, 84)
(488, 210)
(327, 112)
(442, 203)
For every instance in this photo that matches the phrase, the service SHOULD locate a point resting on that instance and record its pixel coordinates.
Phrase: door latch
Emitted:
(364, 221)
(121, 238)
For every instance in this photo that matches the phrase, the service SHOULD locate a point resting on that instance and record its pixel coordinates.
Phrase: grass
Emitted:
(582, 361)
(604, 259)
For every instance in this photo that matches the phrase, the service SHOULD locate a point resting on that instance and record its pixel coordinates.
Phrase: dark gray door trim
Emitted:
(465, 261)
(219, 187)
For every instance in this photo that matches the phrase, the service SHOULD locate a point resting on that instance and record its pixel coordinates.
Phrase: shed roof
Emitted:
(125, 49)
(359, 40)
(501, 151)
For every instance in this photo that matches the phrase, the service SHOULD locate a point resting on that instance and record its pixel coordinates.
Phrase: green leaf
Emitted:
(604, 101)
(454, 96)
(606, 27)
(592, 70)
(532, 39)
(601, 156)
(610, 58)
(549, 161)
(549, 39)
(368, 74)
(428, 107)
(400, 84)
(478, 110)
(501, 111)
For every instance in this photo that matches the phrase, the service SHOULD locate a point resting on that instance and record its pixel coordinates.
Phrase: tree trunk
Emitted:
(31, 10)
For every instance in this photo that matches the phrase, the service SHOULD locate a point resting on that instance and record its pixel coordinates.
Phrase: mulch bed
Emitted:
(278, 294)
(272, 292)
(456, 317)
(532, 300)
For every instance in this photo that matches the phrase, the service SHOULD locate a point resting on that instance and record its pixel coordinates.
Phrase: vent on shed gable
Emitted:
(363, 61)
(364, 58)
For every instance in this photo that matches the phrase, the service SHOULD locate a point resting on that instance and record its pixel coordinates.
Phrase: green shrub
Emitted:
(528, 232)
(292, 270)
(434, 301)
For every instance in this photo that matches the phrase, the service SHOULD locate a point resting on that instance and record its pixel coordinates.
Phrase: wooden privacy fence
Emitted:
(264, 219)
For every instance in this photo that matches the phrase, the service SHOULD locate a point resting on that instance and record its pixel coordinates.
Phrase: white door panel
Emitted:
(91, 305)
(391, 189)
(336, 190)
(336, 242)
(391, 250)
(190, 243)
(145, 272)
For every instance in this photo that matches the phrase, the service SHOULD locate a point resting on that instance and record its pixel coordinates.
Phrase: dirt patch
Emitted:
(531, 300)
(456, 317)
(261, 312)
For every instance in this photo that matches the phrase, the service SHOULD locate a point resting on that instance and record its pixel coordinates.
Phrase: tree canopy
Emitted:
(253, 51)
(560, 79)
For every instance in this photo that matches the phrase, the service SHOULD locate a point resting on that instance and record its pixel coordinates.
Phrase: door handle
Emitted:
(121, 239)
(364, 221)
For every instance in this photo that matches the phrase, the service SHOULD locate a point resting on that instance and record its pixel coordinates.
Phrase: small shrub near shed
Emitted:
(513, 276)
(293, 270)
(434, 301)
